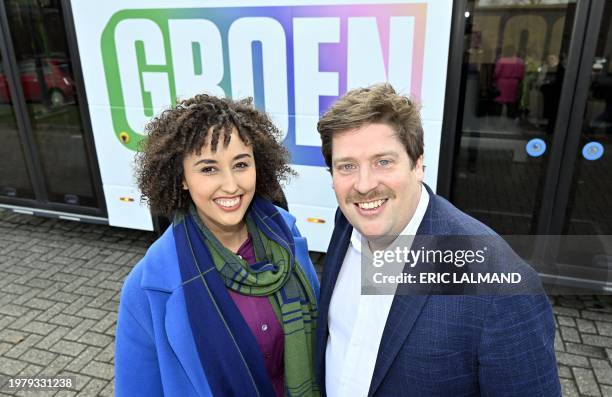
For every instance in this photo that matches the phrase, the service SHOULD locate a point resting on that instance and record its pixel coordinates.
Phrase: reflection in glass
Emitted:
(513, 72)
(14, 177)
(589, 209)
(39, 40)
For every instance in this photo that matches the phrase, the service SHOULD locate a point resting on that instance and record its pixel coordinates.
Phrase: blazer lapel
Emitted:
(182, 341)
(404, 312)
(333, 262)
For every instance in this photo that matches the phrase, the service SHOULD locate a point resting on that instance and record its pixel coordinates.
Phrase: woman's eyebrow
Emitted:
(241, 156)
(205, 161)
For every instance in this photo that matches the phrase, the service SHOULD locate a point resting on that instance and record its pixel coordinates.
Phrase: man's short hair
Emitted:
(376, 104)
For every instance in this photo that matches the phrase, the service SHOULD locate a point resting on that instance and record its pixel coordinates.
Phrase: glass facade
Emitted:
(49, 89)
(514, 63)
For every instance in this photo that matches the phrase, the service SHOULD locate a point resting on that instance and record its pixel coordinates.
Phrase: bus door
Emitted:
(47, 158)
(531, 154)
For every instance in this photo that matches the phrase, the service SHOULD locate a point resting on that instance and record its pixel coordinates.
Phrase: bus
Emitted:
(515, 101)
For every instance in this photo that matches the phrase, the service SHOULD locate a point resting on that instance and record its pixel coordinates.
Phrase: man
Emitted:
(412, 345)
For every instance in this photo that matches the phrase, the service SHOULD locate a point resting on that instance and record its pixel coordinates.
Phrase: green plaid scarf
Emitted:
(288, 290)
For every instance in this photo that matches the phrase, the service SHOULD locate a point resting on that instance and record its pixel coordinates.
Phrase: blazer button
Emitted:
(264, 327)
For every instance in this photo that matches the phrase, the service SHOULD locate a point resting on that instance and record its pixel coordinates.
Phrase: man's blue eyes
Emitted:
(350, 166)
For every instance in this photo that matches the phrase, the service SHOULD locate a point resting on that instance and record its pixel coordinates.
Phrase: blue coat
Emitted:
(155, 352)
(452, 345)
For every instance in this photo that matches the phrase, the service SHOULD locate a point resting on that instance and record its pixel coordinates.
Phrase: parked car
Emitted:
(58, 83)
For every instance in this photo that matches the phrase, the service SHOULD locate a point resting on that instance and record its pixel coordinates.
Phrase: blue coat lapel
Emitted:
(182, 342)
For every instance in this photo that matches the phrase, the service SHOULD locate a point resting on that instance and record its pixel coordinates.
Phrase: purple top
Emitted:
(261, 319)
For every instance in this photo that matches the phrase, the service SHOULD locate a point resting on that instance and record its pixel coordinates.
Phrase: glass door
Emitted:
(50, 105)
(533, 137)
(14, 175)
(514, 79)
(583, 211)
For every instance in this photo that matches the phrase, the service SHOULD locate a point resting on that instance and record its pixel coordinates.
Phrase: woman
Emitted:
(224, 302)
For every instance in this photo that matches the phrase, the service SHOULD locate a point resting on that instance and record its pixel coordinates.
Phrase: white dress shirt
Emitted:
(356, 322)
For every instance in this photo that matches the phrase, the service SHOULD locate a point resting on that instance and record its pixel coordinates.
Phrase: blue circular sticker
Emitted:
(592, 151)
(535, 147)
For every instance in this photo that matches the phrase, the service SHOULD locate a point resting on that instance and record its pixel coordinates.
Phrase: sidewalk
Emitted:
(59, 291)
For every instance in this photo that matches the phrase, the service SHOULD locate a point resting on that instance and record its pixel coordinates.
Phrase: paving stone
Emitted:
(31, 370)
(4, 347)
(23, 346)
(80, 380)
(83, 359)
(585, 380)
(108, 354)
(569, 334)
(597, 316)
(63, 277)
(109, 320)
(568, 388)
(51, 312)
(11, 336)
(98, 370)
(39, 327)
(53, 337)
(89, 291)
(11, 367)
(62, 296)
(112, 285)
(606, 391)
(603, 371)
(68, 348)
(90, 312)
(65, 393)
(101, 299)
(6, 320)
(37, 356)
(109, 390)
(585, 350)
(16, 289)
(597, 340)
(38, 303)
(95, 339)
(13, 310)
(25, 319)
(35, 393)
(40, 283)
(77, 305)
(565, 372)
(78, 331)
(57, 365)
(96, 279)
(586, 326)
(65, 319)
(604, 328)
(566, 321)
(32, 292)
(93, 388)
(572, 360)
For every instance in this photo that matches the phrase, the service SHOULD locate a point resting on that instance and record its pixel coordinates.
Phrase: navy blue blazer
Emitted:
(453, 345)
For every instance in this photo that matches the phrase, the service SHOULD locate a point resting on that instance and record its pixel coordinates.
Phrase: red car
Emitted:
(57, 82)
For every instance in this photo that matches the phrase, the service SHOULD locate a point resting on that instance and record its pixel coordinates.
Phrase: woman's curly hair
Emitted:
(183, 130)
